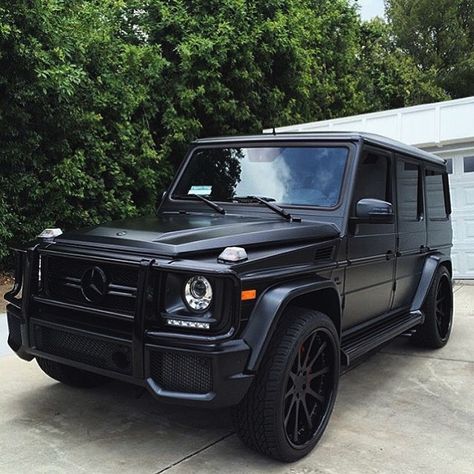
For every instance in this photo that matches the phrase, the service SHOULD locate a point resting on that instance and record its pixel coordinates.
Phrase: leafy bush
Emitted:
(76, 144)
(98, 100)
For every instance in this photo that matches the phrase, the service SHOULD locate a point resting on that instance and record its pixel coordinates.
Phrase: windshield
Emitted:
(287, 175)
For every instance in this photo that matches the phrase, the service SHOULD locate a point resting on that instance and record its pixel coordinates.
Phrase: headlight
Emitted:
(198, 293)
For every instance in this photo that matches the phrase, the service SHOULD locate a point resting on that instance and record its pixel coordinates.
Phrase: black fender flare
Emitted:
(430, 267)
(269, 309)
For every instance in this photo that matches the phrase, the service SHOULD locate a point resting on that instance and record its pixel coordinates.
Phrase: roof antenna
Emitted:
(274, 130)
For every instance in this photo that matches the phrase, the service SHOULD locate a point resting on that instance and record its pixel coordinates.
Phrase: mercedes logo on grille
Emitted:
(94, 284)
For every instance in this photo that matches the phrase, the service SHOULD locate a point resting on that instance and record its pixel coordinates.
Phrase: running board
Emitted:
(360, 343)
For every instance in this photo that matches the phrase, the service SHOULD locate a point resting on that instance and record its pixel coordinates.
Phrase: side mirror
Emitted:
(374, 211)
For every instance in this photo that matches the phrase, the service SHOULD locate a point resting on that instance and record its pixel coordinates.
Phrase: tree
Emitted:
(235, 66)
(76, 146)
(99, 99)
(390, 78)
(439, 35)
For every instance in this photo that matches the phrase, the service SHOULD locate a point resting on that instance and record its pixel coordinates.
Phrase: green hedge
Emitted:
(98, 99)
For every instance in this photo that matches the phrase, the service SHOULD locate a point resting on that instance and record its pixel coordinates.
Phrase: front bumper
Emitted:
(207, 375)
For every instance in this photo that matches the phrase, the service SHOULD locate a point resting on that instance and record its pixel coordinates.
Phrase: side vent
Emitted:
(323, 253)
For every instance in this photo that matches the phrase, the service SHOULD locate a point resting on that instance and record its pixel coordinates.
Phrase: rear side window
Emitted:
(436, 195)
(408, 191)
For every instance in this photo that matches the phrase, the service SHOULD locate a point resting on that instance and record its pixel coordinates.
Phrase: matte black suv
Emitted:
(274, 263)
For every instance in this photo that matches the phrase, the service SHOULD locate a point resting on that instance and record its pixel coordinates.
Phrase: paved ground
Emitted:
(404, 410)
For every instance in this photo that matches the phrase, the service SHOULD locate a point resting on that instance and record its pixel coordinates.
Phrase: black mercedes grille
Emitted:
(14, 329)
(64, 282)
(178, 372)
(88, 350)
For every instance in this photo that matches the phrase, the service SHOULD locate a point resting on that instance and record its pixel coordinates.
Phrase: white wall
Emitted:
(437, 124)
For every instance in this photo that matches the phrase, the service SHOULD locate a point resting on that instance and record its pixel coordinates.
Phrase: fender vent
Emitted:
(323, 253)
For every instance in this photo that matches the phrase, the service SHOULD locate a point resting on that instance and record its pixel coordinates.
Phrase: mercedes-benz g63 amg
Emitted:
(273, 263)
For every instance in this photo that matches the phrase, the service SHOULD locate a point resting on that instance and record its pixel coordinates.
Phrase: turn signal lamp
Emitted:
(248, 295)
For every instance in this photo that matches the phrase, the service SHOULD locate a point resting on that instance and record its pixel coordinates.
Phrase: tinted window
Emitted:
(373, 178)
(408, 191)
(287, 175)
(435, 200)
(468, 164)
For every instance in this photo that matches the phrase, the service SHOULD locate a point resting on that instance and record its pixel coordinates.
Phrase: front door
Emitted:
(371, 246)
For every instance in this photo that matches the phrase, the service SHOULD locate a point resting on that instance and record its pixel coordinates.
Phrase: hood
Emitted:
(176, 235)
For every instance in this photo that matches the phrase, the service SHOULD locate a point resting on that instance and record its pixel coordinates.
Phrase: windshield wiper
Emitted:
(251, 198)
(210, 203)
(265, 201)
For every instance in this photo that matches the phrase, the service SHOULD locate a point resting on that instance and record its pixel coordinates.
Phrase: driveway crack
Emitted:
(204, 448)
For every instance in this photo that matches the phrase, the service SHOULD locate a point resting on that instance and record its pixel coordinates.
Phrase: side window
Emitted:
(373, 178)
(436, 195)
(408, 191)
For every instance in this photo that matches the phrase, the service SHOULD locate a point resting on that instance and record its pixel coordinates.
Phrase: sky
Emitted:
(371, 8)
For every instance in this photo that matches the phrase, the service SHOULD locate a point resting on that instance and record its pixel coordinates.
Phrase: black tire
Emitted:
(276, 395)
(70, 375)
(438, 308)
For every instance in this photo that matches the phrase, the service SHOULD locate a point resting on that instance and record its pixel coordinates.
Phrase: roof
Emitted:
(426, 125)
(328, 136)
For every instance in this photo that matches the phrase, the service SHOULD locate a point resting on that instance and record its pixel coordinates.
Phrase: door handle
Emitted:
(390, 255)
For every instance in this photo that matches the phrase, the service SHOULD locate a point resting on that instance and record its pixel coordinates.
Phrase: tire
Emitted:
(438, 309)
(70, 375)
(282, 388)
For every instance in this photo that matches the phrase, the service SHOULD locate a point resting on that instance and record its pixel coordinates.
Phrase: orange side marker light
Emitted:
(248, 295)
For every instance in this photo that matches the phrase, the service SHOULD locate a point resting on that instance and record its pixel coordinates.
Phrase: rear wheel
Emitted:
(438, 308)
(70, 375)
(288, 406)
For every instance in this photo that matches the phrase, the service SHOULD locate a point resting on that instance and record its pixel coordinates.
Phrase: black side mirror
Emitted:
(374, 211)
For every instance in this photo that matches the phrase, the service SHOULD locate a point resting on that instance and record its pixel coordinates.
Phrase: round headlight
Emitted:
(198, 293)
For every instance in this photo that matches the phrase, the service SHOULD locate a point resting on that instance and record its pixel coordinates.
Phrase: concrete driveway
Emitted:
(404, 410)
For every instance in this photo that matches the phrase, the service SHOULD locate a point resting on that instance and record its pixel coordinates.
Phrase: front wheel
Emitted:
(288, 406)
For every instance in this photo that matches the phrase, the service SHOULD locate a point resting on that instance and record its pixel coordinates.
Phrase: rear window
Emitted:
(436, 195)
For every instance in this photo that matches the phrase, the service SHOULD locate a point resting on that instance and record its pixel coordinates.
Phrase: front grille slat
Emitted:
(64, 276)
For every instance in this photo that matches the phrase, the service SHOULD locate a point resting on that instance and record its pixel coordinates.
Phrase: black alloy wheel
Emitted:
(288, 406)
(443, 307)
(438, 310)
(309, 388)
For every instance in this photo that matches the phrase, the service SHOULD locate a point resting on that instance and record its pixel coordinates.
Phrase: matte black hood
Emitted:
(181, 234)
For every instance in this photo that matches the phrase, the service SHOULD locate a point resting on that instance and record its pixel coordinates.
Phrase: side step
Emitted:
(361, 342)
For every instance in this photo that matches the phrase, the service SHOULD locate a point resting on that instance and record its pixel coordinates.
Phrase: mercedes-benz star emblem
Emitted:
(94, 284)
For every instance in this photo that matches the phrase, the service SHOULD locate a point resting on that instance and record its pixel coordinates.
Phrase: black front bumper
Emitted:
(196, 374)
(202, 371)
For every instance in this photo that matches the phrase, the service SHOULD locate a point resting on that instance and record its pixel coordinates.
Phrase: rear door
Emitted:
(411, 241)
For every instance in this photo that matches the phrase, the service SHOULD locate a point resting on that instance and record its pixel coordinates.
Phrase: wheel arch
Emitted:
(320, 295)
(432, 263)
